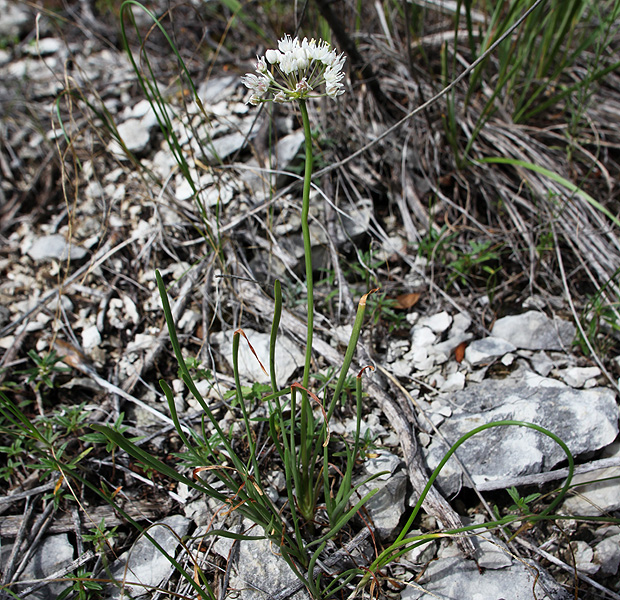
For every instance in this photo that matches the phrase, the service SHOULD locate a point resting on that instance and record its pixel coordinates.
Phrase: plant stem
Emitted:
(307, 421)
(305, 229)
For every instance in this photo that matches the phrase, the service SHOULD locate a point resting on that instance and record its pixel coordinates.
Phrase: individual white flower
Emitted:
(333, 79)
(250, 81)
(296, 71)
(273, 56)
(333, 75)
(320, 53)
(287, 44)
(288, 63)
(302, 87)
(301, 58)
(261, 65)
(258, 84)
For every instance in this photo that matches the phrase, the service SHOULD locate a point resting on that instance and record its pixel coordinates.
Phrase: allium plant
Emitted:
(318, 504)
(298, 71)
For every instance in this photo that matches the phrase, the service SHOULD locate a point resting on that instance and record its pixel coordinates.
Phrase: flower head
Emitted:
(295, 71)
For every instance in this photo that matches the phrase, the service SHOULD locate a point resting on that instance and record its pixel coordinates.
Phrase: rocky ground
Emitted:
(93, 201)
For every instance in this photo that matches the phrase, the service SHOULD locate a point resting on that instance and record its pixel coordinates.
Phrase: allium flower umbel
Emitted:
(296, 71)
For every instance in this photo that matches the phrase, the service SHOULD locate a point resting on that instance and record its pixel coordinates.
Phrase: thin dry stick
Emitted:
(540, 478)
(57, 575)
(9, 567)
(556, 561)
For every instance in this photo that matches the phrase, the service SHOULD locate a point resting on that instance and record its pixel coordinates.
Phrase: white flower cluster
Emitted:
(300, 68)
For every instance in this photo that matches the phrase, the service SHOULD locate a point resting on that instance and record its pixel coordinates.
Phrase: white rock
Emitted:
(145, 563)
(54, 247)
(287, 148)
(586, 420)
(447, 347)
(141, 341)
(91, 338)
(122, 311)
(422, 337)
(492, 554)
(135, 135)
(357, 220)
(596, 499)
(533, 330)
(436, 419)
(420, 555)
(259, 572)
(508, 359)
(583, 557)
(15, 19)
(487, 349)
(460, 323)
(456, 578)
(288, 356)
(607, 555)
(343, 333)
(420, 358)
(386, 507)
(401, 368)
(141, 109)
(189, 320)
(424, 439)
(224, 146)
(441, 408)
(214, 90)
(438, 323)
(7, 342)
(44, 47)
(454, 382)
(577, 376)
(52, 554)
(396, 349)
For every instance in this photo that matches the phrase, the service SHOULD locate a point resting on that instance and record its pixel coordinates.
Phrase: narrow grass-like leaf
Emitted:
(149, 460)
(569, 185)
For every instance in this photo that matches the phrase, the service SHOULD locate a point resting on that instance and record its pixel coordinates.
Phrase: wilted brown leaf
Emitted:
(406, 301)
(459, 352)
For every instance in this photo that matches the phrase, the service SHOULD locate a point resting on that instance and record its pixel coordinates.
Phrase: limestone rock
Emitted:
(386, 507)
(596, 499)
(455, 578)
(533, 330)
(288, 356)
(260, 572)
(54, 553)
(586, 420)
(54, 247)
(487, 349)
(144, 562)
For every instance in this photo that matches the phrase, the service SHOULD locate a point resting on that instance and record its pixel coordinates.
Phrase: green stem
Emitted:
(307, 421)
(305, 229)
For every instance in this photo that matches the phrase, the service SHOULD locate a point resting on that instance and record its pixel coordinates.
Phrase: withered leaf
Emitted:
(459, 352)
(406, 301)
